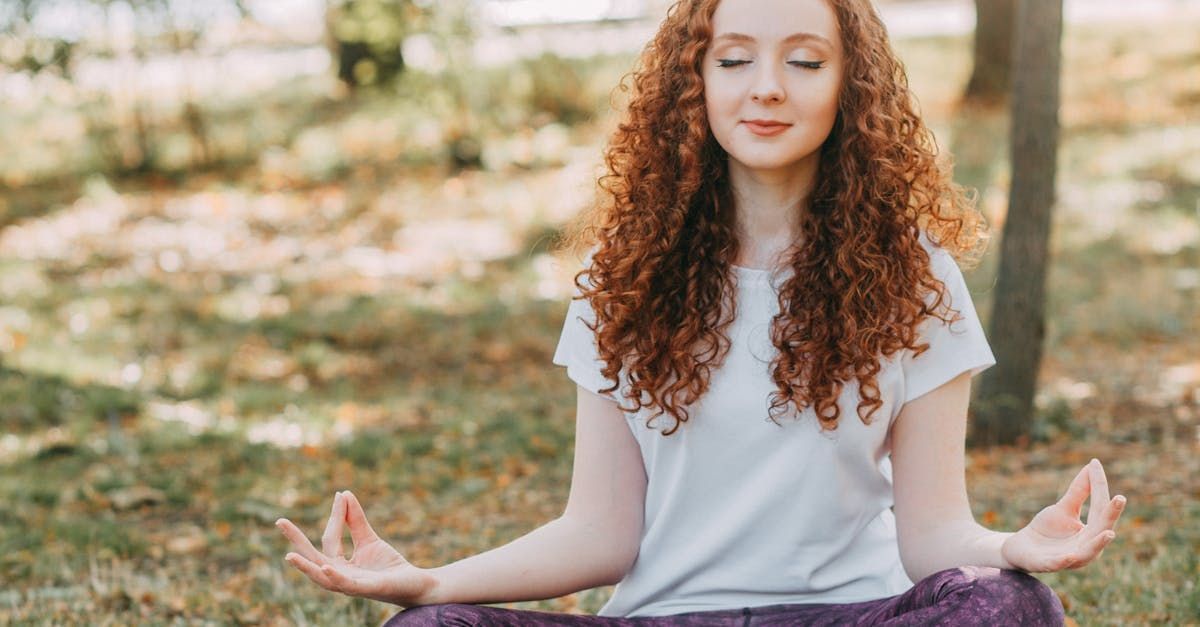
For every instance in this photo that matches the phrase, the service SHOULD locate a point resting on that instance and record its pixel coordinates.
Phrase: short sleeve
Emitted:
(955, 347)
(577, 347)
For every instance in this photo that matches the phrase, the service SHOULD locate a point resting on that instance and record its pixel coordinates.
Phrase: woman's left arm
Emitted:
(933, 516)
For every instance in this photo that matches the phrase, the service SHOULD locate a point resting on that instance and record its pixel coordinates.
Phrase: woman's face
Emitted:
(773, 61)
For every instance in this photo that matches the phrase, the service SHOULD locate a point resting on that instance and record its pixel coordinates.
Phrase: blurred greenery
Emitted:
(218, 307)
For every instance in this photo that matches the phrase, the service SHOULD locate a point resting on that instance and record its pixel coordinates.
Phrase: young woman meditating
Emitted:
(773, 346)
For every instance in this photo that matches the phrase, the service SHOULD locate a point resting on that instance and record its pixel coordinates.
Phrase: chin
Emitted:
(761, 163)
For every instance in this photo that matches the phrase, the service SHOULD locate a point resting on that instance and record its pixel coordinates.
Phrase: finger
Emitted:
(1099, 492)
(331, 540)
(1119, 504)
(1091, 549)
(342, 581)
(1112, 513)
(360, 530)
(1077, 492)
(310, 570)
(300, 542)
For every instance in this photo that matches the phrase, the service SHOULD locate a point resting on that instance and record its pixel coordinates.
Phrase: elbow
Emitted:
(624, 564)
(916, 553)
(908, 561)
(622, 554)
(616, 546)
(912, 569)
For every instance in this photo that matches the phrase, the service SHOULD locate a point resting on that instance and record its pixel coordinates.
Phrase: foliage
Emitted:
(188, 357)
(367, 37)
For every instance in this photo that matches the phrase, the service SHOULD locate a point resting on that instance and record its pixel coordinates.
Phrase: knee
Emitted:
(420, 616)
(423, 616)
(1017, 596)
(448, 615)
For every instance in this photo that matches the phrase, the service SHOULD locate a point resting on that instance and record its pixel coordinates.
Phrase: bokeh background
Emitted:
(256, 251)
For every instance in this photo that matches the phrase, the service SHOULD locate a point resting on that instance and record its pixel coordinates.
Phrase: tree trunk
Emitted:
(991, 78)
(1004, 410)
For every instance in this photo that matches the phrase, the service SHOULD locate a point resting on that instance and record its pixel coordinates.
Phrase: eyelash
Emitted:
(811, 65)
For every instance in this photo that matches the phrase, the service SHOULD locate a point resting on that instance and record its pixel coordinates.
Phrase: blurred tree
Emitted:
(1004, 408)
(22, 50)
(122, 128)
(366, 38)
(992, 73)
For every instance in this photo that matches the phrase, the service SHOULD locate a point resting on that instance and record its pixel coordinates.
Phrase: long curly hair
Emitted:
(663, 241)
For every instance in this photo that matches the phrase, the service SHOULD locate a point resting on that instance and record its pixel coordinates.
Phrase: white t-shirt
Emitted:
(741, 512)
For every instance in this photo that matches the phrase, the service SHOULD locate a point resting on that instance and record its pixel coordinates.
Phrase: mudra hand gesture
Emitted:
(1056, 538)
(374, 569)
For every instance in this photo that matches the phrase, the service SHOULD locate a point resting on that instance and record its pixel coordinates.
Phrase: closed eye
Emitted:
(811, 65)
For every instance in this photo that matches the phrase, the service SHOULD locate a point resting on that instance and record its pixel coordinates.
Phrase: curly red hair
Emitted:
(663, 239)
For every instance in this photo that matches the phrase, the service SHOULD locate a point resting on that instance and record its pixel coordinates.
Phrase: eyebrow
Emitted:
(796, 37)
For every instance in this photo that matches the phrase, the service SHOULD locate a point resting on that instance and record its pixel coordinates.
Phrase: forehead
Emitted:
(774, 20)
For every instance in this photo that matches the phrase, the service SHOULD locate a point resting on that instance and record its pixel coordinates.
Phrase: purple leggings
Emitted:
(957, 596)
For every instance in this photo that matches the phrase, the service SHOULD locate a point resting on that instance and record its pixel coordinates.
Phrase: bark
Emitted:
(995, 22)
(1004, 410)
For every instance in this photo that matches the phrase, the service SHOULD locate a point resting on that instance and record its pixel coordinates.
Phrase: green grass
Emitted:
(432, 395)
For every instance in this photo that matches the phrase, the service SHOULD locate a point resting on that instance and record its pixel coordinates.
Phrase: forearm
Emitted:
(961, 542)
(560, 557)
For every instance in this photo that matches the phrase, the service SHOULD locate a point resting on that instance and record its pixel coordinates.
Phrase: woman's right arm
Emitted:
(593, 543)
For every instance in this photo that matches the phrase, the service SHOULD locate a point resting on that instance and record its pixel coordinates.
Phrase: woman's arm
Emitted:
(593, 543)
(933, 516)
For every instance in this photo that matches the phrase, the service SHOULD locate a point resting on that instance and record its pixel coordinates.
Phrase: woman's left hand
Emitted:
(1056, 539)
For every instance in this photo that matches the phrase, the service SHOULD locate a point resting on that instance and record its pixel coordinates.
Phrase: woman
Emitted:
(773, 346)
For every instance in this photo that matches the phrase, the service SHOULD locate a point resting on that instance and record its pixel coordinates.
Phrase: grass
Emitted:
(161, 406)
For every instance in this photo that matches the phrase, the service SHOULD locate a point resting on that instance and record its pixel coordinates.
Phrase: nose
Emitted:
(767, 88)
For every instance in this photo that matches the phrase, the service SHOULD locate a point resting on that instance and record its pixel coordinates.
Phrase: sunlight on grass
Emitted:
(188, 355)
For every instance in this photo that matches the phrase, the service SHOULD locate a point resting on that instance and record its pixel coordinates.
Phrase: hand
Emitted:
(1056, 539)
(375, 570)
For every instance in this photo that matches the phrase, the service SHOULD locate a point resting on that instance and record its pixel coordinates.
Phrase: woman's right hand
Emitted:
(374, 570)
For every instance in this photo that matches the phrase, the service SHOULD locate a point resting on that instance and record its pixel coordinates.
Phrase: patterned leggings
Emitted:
(957, 596)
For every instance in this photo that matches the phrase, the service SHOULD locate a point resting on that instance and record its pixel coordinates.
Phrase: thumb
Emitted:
(360, 530)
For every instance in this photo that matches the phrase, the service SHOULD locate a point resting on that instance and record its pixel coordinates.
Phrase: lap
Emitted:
(956, 596)
(456, 615)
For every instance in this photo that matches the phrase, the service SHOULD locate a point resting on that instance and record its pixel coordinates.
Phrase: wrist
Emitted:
(1004, 553)
(988, 547)
(434, 588)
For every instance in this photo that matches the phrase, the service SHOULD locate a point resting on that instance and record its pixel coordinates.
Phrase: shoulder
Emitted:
(938, 254)
(942, 264)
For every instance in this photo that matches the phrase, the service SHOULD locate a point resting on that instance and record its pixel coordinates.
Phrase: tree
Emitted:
(992, 73)
(366, 37)
(1004, 409)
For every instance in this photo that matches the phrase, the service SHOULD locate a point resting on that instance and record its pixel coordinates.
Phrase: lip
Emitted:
(766, 128)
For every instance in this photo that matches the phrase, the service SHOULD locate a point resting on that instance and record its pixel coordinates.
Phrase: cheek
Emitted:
(822, 102)
(721, 107)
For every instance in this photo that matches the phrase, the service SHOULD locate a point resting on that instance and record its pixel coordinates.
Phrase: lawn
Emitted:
(187, 358)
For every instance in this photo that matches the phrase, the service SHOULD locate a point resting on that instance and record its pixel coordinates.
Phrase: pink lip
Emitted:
(766, 128)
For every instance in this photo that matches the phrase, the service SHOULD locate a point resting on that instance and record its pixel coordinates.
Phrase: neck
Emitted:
(768, 205)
